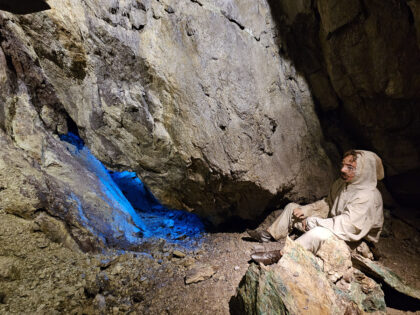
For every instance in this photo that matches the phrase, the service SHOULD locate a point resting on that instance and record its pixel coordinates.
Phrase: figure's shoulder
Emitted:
(365, 196)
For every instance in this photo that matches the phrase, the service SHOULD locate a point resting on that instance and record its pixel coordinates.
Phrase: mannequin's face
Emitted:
(348, 168)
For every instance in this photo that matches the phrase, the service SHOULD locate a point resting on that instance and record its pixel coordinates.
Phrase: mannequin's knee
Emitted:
(320, 233)
(313, 239)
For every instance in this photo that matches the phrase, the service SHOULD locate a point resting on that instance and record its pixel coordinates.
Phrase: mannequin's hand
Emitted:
(298, 213)
(305, 225)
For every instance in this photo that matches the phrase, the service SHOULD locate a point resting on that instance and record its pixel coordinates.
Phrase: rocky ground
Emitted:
(43, 277)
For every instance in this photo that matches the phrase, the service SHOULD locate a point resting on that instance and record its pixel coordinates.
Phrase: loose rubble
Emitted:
(38, 275)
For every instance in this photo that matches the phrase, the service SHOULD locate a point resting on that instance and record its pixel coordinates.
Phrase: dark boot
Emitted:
(261, 236)
(267, 258)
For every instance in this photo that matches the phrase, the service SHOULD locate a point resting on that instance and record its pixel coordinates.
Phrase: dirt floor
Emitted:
(38, 276)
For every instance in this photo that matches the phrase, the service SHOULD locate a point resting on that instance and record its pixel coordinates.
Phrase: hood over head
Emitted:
(369, 170)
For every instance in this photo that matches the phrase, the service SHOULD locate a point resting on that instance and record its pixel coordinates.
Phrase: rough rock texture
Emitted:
(40, 180)
(56, 280)
(297, 284)
(386, 276)
(192, 95)
(199, 273)
(362, 62)
(336, 259)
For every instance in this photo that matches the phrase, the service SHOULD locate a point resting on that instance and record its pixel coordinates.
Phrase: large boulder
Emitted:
(194, 96)
(40, 179)
(301, 283)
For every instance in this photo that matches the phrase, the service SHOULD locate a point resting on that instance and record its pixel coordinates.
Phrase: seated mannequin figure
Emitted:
(352, 211)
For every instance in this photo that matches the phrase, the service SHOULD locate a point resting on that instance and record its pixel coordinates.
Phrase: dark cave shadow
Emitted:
(236, 305)
(398, 300)
(299, 43)
(236, 224)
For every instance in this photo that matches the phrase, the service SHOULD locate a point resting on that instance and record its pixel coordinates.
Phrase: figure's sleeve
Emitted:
(353, 224)
(318, 208)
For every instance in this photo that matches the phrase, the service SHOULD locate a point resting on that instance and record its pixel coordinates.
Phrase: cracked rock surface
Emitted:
(194, 96)
(362, 61)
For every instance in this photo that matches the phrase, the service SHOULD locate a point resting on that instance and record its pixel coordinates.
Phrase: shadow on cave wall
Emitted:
(299, 43)
(375, 121)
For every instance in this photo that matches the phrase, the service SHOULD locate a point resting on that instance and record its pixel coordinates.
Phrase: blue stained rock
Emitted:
(125, 191)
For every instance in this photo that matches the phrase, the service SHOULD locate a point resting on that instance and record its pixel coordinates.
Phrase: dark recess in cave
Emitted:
(343, 126)
(76, 140)
(398, 300)
(24, 6)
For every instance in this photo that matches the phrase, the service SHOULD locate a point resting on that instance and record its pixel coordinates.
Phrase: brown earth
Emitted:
(42, 277)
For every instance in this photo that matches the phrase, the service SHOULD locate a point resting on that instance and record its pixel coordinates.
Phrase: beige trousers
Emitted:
(284, 224)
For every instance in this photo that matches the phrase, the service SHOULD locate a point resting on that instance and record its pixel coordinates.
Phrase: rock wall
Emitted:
(362, 62)
(194, 96)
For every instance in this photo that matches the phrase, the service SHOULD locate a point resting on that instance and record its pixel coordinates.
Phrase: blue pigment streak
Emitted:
(127, 192)
(165, 223)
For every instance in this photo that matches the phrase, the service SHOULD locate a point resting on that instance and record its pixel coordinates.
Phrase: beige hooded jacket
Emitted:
(356, 209)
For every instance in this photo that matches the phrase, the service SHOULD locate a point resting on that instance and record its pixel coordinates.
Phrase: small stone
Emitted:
(237, 268)
(178, 254)
(169, 10)
(8, 268)
(117, 269)
(187, 262)
(35, 227)
(199, 273)
(100, 301)
(105, 263)
(43, 244)
(364, 250)
(168, 223)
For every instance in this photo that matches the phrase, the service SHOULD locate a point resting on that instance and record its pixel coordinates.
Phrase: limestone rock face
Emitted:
(194, 96)
(66, 189)
(362, 62)
(39, 175)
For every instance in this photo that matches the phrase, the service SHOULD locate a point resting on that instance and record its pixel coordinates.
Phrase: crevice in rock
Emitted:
(109, 21)
(10, 64)
(231, 19)
(72, 130)
(197, 2)
(139, 5)
(169, 10)
(137, 28)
